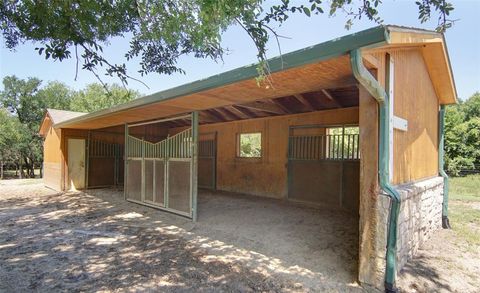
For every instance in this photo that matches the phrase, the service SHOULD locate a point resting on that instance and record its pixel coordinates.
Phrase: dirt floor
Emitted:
(449, 262)
(96, 241)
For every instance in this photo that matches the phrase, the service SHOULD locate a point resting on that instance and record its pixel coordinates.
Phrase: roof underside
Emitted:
(310, 79)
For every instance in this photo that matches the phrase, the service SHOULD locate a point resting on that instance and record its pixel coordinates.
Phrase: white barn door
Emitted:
(76, 163)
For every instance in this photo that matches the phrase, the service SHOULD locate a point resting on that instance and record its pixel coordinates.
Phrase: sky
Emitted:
(463, 41)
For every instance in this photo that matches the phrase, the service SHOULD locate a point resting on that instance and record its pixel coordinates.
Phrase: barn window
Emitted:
(342, 143)
(250, 145)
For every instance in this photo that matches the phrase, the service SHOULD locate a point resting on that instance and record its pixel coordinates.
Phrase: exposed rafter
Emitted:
(238, 112)
(265, 107)
(207, 117)
(217, 115)
(279, 104)
(331, 98)
(226, 113)
(304, 102)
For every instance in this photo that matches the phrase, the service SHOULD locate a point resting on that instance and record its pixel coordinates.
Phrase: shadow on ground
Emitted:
(80, 242)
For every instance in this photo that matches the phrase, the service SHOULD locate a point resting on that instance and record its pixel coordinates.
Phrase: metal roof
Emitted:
(374, 37)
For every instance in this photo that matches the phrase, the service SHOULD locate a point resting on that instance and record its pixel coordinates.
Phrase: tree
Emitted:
(56, 95)
(9, 139)
(163, 30)
(95, 97)
(462, 136)
(20, 98)
(24, 103)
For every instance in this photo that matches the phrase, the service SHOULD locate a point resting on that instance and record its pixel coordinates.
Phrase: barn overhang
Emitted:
(313, 71)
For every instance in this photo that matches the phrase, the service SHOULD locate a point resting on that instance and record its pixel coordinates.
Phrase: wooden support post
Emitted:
(87, 159)
(125, 162)
(194, 165)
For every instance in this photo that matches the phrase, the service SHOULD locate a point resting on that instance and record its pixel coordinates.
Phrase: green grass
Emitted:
(464, 208)
(465, 188)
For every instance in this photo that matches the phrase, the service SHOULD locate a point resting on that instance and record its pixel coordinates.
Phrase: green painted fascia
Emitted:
(323, 51)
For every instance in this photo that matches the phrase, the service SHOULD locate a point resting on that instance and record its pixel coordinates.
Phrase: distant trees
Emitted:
(462, 136)
(160, 32)
(23, 104)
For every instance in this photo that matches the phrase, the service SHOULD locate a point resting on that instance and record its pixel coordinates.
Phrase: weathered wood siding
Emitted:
(266, 176)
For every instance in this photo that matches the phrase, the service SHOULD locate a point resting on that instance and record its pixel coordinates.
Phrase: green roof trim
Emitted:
(334, 48)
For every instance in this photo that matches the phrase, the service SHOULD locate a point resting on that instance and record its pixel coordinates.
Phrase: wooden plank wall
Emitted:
(266, 176)
(416, 150)
(52, 159)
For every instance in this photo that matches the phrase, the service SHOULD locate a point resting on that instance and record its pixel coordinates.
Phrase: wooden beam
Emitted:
(280, 105)
(371, 61)
(331, 98)
(238, 112)
(217, 115)
(249, 112)
(304, 102)
(207, 117)
(265, 107)
(228, 114)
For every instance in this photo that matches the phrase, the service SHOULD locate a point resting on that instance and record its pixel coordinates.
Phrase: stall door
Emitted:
(323, 166)
(76, 163)
(207, 152)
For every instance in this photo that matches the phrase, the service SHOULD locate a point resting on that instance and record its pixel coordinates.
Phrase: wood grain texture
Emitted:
(333, 73)
(266, 176)
(416, 150)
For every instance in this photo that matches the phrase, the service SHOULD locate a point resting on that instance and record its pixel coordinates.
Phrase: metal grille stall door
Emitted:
(164, 177)
(105, 164)
(324, 169)
(207, 151)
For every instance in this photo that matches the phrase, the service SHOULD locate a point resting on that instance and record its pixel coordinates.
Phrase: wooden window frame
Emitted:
(237, 146)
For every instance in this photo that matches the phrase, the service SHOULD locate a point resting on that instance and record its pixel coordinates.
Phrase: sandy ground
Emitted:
(96, 241)
(445, 264)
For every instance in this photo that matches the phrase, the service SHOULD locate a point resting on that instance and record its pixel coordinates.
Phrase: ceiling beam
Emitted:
(238, 112)
(331, 98)
(226, 113)
(265, 107)
(217, 115)
(207, 117)
(280, 105)
(304, 102)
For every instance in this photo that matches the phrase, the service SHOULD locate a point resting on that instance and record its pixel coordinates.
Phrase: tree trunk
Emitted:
(21, 171)
(41, 170)
(1, 169)
(16, 169)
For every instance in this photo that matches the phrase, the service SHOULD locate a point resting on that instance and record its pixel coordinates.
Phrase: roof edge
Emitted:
(316, 53)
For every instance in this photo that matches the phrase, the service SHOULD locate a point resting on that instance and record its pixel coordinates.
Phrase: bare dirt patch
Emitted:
(450, 261)
(96, 241)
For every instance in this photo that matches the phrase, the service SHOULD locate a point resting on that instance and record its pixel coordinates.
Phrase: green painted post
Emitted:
(441, 163)
(125, 163)
(194, 165)
(87, 160)
(378, 92)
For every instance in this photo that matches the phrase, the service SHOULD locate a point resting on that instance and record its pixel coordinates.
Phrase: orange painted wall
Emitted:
(266, 176)
(416, 150)
(52, 158)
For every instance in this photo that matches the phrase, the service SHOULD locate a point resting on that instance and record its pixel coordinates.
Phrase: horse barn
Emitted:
(351, 128)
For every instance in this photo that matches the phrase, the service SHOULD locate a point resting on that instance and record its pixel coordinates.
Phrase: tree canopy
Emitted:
(24, 102)
(161, 31)
(462, 136)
